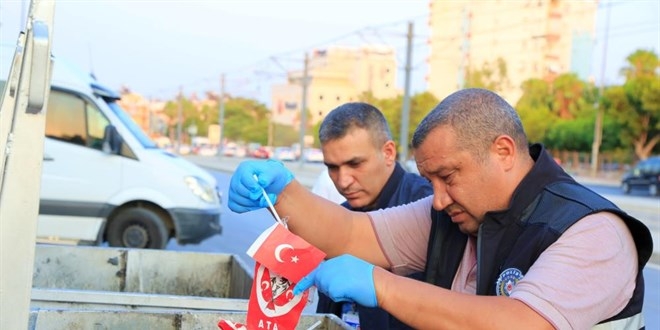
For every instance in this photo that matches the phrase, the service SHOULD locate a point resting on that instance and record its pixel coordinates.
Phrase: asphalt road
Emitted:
(240, 230)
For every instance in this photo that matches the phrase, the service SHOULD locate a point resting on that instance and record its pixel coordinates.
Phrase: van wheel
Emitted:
(137, 228)
(625, 187)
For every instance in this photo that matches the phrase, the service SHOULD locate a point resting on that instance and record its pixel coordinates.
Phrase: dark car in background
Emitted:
(646, 175)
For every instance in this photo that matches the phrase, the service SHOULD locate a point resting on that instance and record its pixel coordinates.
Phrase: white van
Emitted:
(104, 180)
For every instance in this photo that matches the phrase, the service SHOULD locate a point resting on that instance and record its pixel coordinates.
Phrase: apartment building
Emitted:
(336, 75)
(534, 38)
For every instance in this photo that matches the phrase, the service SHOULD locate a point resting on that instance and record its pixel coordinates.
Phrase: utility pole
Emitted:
(465, 48)
(270, 129)
(598, 125)
(179, 121)
(303, 110)
(405, 110)
(221, 115)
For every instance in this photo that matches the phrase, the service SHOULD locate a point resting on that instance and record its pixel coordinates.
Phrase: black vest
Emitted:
(546, 203)
(402, 187)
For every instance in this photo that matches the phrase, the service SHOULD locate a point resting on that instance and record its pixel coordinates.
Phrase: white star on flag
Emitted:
(285, 253)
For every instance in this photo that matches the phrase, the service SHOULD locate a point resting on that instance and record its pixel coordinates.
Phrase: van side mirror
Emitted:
(111, 140)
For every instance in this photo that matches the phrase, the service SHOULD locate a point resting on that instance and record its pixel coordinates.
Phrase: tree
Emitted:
(535, 109)
(189, 115)
(490, 76)
(569, 96)
(635, 106)
(420, 105)
(246, 120)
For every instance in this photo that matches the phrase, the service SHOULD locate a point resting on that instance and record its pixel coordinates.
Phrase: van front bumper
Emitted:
(192, 226)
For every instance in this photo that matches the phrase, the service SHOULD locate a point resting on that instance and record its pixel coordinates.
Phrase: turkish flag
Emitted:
(272, 304)
(285, 253)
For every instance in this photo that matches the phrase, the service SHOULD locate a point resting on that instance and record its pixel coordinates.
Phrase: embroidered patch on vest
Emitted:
(507, 281)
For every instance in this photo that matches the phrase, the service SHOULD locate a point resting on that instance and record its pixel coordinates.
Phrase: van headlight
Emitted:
(201, 189)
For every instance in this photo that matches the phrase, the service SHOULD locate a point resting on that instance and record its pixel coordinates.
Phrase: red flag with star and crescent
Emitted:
(285, 253)
(272, 304)
(282, 259)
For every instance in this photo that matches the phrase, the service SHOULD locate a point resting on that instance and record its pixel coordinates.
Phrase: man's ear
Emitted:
(389, 151)
(504, 150)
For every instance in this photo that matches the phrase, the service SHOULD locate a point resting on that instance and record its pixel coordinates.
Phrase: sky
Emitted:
(156, 48)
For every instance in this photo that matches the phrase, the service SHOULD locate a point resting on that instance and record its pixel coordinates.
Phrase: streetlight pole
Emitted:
(303, 110)
(598, 125)
(179, 121)
(221, 114)
(405, 110)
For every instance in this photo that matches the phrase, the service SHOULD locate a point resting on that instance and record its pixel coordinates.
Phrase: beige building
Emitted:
(335, 76)
(535, 38)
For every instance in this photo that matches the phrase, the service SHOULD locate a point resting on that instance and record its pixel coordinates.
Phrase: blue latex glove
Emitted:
(344, 278)
(245, 192)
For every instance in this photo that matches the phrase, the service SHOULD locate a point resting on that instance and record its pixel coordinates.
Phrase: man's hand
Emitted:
(344, 278)
(245, 191)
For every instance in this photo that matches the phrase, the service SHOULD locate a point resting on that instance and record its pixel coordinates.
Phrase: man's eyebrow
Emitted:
(346, 162)
(353, 160)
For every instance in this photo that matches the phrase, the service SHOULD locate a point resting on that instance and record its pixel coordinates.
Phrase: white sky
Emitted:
(153, 47)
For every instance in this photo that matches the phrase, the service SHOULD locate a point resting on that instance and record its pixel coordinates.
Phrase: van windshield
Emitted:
(132, 126)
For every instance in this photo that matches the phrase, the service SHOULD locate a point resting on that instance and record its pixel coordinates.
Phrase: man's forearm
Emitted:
(424, 306)
(319, 221)
(329, 226)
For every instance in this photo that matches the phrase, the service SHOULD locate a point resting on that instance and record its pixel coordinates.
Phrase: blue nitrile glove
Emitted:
(245, 192)
(343, 278)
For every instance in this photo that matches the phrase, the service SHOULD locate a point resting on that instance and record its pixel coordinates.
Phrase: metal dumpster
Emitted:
(80, 277)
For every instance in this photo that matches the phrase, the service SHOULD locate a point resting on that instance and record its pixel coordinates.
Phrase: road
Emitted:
(240, 230)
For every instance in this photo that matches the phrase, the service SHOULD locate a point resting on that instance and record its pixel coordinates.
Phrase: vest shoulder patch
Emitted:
(507, 281)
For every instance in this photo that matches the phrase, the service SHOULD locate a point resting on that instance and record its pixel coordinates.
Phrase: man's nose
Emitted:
(441, 198)
(344, 177)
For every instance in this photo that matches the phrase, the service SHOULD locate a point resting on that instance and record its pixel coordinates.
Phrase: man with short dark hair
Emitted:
(361, 159)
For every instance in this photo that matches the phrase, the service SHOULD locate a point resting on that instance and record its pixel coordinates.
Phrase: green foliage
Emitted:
(189, 116)
(492, 76)
(246, 120)
(569, 96)
(420, 105)
(636, 105)
(578, 134)
(561, 115)
(285, 135)
(535, 110)
(571, 134)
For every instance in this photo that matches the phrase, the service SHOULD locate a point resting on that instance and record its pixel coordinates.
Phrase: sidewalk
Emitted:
(645, 209)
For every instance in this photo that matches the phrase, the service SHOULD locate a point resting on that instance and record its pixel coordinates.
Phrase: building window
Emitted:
(387, 85)
(338, 98)
(321, 97)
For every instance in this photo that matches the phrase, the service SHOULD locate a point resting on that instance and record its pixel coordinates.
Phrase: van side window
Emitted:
(70, 118)
(96, 124)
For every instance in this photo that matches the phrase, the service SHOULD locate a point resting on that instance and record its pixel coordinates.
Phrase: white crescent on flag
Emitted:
(278, 251)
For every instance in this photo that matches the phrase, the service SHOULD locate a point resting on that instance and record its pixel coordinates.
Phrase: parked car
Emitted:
(284, 154)
(313, 155)
(260, 152)
(646, 175)
(207, 150)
